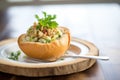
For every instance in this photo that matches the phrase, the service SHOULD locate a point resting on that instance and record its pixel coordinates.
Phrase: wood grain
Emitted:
(36, 70)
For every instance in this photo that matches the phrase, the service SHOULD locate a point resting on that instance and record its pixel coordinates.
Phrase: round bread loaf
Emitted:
(46, 51)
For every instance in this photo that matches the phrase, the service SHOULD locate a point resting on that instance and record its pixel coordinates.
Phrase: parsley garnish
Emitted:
(47, 21)
(62, 59)
(14, 55)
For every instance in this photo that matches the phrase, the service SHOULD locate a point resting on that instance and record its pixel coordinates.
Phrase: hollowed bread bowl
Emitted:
(46, 51)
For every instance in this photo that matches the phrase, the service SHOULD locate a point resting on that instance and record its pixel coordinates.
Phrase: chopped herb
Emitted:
(48, 21)
(62, 59)
(37, 27)
(14, 55)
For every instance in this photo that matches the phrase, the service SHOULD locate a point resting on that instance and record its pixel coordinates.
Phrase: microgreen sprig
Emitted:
(47, 21)
(14, 55)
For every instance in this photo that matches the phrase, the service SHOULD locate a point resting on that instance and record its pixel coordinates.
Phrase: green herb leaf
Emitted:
(45, 14)
(62, 59)
(14, 55)
(37, 27)
(37, 17)
(47, 21)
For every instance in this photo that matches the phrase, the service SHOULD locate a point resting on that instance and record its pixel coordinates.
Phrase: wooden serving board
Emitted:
(40, 69)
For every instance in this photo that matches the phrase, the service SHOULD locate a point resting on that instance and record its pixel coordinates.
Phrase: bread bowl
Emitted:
(47, 50)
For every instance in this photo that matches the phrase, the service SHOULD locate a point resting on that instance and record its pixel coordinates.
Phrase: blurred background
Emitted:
(93, 20)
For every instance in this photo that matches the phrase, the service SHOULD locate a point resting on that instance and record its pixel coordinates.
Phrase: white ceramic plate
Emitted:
(6, 50)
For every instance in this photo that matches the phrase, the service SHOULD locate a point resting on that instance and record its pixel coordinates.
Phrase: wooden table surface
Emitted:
(97, 23)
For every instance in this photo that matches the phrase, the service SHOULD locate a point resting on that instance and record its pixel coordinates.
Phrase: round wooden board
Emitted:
(49, 69)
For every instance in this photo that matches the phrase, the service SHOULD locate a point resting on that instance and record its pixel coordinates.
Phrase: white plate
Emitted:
(5, 51)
